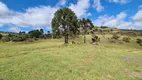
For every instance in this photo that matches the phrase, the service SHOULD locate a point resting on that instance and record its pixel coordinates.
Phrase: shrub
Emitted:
(126, 39)
(139, 41)
(0, 36)
(19, 37)
(5, 39)
(30, 40)
(95, 39)
(34, 33)
(115, 36)
(42, 36)
(112, 41)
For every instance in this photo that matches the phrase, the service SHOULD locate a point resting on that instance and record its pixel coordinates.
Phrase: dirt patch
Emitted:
(109, 76)
(135, 51)
(84, 62)
(136, 75)
(137, 60)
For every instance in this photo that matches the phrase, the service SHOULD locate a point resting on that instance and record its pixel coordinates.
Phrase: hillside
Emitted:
(50, 59)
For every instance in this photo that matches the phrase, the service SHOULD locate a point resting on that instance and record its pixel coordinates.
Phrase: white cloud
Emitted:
(3, 9)
(81, 7)
(32, 17)
(117, 21)
(89, 14)
(37, 17)
(138, 24)
(119, 1)
(15, 29)
(138, 19)
(138, 16)
(61, 3)
(140, 7)
(1, 25)
(121, 16)
(98, 6)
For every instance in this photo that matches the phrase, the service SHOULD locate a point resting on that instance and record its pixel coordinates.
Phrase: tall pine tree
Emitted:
(64, 21)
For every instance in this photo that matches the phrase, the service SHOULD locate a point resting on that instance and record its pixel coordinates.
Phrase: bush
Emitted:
(19, 37)
(95, 39)
(115, 36)
(0, 36)
(139, 41)
(126, 39)
(5, 39)
(112, 41)
(42, 36)
(34, 34)
(30, 40)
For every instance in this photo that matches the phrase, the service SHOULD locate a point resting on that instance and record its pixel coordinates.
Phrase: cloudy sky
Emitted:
(26, 15)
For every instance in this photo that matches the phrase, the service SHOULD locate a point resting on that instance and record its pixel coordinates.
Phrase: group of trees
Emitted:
(22, 36)
(65, 23)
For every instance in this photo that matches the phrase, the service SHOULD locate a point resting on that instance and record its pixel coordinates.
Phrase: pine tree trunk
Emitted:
(66, 39)
(66, 36)
(84, 38)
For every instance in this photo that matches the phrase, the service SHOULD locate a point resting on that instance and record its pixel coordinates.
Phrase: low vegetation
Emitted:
(22, 36)
(115, 37)
(139, 41)
(5, 39)
(127, 39)
(50, 59)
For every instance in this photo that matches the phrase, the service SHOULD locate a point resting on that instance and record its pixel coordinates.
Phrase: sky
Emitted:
(26, 15)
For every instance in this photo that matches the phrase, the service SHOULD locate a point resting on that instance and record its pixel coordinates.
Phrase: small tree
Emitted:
(86, 25)
(42, 32)
(34, 34)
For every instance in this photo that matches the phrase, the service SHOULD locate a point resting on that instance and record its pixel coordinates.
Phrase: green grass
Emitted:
(51, 60)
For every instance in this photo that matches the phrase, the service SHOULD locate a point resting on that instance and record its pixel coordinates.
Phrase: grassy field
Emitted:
(51, 60)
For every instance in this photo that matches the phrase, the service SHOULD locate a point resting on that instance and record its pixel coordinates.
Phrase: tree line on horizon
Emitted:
(23, 36)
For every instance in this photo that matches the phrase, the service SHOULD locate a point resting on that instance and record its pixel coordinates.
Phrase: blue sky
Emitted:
(26, 15)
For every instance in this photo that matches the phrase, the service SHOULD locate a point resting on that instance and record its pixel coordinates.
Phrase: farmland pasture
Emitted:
(51, 60)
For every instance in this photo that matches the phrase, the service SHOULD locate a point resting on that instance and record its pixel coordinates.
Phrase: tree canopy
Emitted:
(85, 25)
(64, 23)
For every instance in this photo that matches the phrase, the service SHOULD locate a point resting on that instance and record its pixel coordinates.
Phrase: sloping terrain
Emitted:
(51, 60)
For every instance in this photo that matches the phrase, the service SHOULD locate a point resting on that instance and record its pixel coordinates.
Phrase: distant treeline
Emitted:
(23, 36)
